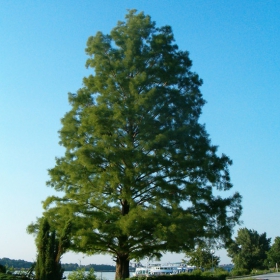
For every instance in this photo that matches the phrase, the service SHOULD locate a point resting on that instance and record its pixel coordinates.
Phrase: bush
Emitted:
(196, 272)
(218, 272)
(81, 274)
(207, 273)
(239, 272)
(195, 275)
(258, 271)
(2, 269)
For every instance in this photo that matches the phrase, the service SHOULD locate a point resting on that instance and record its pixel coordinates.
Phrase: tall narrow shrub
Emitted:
(48, 266)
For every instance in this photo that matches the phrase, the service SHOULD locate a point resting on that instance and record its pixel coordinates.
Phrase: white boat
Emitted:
(162, 269)
(141, 271)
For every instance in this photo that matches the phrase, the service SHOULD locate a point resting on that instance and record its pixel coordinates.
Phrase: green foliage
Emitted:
(139, 170)
(207, 273)
(220, 272)
(246, 272)
(81, 274)
(202, 257)
(259, 271)
(50, 249)
(239, 272)
(197, 272)
(273, 255)
(217, 273)
(249, 249)
(2, 269)
(187, 276)
(4, 276)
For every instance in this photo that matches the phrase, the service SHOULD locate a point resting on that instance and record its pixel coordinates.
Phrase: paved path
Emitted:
(270, 276)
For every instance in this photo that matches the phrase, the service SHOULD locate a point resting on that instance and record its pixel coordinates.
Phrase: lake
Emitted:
(100, 275)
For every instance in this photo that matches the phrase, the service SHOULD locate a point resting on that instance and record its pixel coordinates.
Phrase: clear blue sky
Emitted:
(234, 46)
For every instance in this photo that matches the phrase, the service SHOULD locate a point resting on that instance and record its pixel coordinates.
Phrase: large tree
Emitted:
(139, 170)
(249, 249)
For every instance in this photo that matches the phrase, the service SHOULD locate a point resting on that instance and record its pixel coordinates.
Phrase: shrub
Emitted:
(239, 272)
(218, 272)
(81, 274)
(196, 272)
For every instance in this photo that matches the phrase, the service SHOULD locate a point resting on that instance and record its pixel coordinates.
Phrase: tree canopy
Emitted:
(139, 171)
(249, 249)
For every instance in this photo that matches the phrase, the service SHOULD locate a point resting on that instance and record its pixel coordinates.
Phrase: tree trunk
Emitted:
(122, 267)
(122, 260)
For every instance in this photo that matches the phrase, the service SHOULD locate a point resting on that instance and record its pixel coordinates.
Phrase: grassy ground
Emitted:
(4, 276)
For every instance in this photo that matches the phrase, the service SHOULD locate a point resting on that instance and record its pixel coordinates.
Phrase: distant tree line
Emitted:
(21, 264)
(96, 267)
(15, 264)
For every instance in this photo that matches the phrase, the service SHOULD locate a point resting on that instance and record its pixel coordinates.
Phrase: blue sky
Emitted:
(234, 46)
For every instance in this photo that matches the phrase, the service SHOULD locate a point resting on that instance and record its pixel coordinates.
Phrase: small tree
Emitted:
(202, 257)
(81, 274)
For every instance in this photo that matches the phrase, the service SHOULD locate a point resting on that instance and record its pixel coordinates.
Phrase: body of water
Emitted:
(100, 275)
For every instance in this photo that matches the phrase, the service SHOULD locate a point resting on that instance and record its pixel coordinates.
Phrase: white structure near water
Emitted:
(161, 269)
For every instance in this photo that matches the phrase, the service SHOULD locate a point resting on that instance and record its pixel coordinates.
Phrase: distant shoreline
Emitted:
(22, 264)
